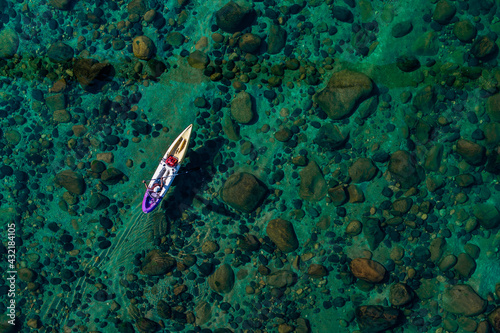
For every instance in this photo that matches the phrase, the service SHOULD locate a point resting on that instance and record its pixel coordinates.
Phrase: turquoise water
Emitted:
(342, 175)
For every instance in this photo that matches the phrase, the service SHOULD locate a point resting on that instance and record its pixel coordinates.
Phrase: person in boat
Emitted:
(156, 187)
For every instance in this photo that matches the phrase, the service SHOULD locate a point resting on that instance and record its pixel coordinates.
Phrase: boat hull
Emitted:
(165, 170)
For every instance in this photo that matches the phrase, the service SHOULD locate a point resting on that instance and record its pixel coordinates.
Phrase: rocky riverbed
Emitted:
(342, 175)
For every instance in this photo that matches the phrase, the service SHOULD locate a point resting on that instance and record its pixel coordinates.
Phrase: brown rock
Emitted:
(198, 60)
(401, 206)
(138, 7)
(97, 166)
(243, 192)
(56, 102)
(60, 4)
(90, 73)
(376, 318)
(494, 319)
(492, 132)
(26, 274)
(330, 137)
(317, 271)
(107, 157)
(145, 325)
(98, 201)
(434, 157)
(461, 299)
(483, 47)
(465, 31)
(362, 170)
(493, 107)
(175, 38)
(425, 99)
(471, 152)
(249, 43)
(403, 167)
(61, 116)
(13, 137)
(283, 135)
(157, 263)
(283, 235)
(143, 47)
(487, 215)
(282, 278)
(313, 186)
(465, 180)
(71, 181)
(345, 90)
(355, 193)
(234, 17)
(400, 294)
(222, 280)
(111, 176)
(241, 108)
(230, 128)
(79, 130)
(444, 12)
(338, 195)
(276, 39)
(367, 270)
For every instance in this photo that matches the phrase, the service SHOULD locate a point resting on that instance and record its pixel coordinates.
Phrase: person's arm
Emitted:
(144, 182)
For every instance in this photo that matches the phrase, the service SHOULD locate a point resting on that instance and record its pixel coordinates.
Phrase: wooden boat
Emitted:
(166, 171)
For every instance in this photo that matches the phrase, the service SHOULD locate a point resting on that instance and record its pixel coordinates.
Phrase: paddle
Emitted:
(180, 173)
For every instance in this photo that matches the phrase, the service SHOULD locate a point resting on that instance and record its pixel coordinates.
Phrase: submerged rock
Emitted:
(71, 181)
(345, 90)
(461, 299)
(376, 318)
(9, 42)
(313, 186)
(98, 201)
(404, 168)
(276, 39)
(143, 47)
(243, 192)
(241, 108)
(234, 16)
(91, 73)
(222, 280)
(60, 52)
(157, 263)
(367, 270)
(283, 235)
(111, 176)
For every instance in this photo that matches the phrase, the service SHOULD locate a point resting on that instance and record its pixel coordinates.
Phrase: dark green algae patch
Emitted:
(345, 166)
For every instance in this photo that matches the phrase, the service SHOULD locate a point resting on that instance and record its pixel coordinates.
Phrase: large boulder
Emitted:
(282, 234)
(222, 280)
(90, 73)
(243, 192)
(111, 176)
(313, 186)
(9, 43)
(157, 263)
(60, 52)
(376, 318)
(345, 90)
(71, 181)
(330, 137)
(241, 108)
(276, 40)
(234, 16)
(404, 169)
(462, 300)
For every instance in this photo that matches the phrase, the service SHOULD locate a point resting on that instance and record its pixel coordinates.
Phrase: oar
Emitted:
(179, 173)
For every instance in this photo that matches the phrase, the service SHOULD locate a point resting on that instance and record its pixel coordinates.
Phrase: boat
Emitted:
(166, 171)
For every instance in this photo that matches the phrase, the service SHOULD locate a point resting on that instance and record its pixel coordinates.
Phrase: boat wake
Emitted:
(109, 266)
